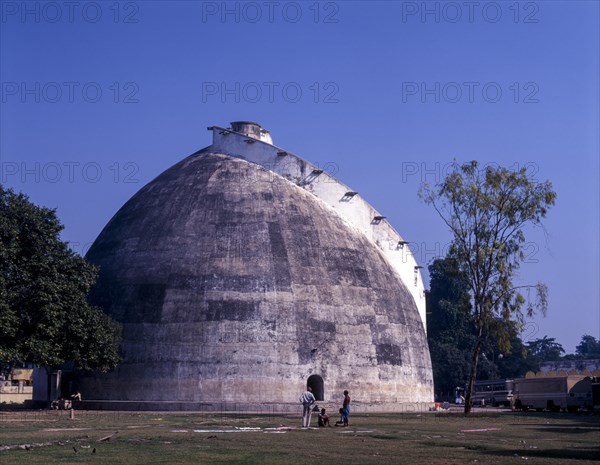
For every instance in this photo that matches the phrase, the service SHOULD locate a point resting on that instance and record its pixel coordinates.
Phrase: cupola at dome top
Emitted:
(252, 129)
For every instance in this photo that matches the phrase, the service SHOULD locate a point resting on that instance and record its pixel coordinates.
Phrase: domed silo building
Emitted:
(244, 273)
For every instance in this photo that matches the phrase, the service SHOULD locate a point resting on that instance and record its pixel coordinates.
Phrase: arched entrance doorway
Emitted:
(315, 382)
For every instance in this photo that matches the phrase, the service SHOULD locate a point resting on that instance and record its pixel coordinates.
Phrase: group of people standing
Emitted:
(308, 400)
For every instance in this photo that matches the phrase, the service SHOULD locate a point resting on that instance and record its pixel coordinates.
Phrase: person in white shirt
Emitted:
(307, 399)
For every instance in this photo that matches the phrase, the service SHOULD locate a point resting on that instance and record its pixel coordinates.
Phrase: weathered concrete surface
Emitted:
(324, 185)
(235, 284)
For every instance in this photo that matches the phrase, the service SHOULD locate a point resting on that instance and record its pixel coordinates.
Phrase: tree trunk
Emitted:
(473, 373)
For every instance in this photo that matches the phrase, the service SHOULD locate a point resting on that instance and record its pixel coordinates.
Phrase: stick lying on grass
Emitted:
(107, 438)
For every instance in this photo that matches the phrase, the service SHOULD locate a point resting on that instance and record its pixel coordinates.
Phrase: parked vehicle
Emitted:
(596, 393)
(554, 393)
(493, 392)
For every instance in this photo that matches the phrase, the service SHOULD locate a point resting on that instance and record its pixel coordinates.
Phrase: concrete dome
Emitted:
(234, 284)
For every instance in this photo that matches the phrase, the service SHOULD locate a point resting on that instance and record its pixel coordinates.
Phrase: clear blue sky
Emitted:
(98, 98)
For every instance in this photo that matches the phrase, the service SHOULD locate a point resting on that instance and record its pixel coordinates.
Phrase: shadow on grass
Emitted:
(575, 417)
(384, 436)
(573, 425)
(562, 429)
(581, 453)
(553, 418)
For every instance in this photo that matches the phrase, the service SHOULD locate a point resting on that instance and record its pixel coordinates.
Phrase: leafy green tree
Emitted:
(545, 349)
(589, 347)
(516, 362)
(45, 318)
(486, 212)
(450, 331)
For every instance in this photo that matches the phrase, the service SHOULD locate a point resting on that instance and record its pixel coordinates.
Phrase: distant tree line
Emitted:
(451, 333)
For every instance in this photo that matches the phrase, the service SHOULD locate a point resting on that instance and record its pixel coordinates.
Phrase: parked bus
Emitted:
(493, 392)
(554, 393)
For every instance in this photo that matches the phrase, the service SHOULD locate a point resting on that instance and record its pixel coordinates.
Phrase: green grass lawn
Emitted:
(168, 438)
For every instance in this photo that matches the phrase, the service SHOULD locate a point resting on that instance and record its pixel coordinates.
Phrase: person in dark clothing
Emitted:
(324, 419)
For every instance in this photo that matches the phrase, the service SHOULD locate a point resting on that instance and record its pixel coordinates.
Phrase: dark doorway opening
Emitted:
(315, 382)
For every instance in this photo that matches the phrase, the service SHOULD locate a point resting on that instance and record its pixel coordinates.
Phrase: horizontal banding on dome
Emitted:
(234, 285)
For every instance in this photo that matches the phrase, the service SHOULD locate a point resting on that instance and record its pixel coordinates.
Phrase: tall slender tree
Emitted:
(486, 211)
